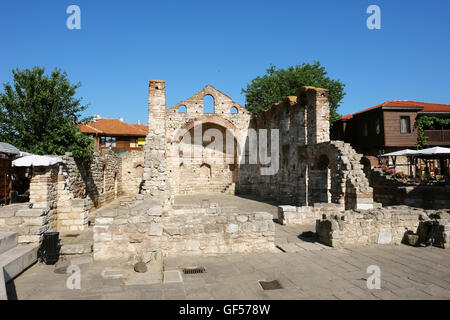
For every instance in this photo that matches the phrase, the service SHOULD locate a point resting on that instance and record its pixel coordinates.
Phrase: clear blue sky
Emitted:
(192, 43)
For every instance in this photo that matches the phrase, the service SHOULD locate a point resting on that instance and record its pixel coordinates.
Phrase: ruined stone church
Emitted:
(310, 168)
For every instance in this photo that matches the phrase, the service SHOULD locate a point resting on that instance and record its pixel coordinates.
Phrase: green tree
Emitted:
(40, 114)
(276, 84)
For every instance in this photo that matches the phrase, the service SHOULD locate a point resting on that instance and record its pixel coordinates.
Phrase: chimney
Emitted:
(139, 122)
(121, 119)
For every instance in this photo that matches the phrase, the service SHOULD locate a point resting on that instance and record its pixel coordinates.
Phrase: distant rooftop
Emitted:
(113, 127)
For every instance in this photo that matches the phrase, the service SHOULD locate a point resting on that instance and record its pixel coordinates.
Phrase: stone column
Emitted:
(318, 114)
(155, 175)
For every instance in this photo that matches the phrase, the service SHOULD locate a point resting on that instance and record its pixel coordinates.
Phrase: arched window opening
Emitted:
(233, 110)
(205, 170)
(182, 109)
(208, 104)
(323, 162)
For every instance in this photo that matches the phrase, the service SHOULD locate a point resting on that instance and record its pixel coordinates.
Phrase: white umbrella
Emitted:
(8, 148)
(434, 151)
(35, 161)
(405, 152)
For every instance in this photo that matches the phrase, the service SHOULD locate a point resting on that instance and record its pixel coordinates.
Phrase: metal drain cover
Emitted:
(270, 285)
(194, 270)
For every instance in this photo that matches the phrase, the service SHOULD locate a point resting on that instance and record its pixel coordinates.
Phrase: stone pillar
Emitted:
(318, 114)
(155, 175)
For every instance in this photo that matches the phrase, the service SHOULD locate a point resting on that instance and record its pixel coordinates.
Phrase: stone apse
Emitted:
(183, 154)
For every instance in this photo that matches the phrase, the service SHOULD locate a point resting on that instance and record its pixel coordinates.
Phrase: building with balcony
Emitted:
(392, 126)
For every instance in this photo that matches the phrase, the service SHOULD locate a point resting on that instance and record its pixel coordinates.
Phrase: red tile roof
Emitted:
(114, 127)
(347, 116)
(427, 107)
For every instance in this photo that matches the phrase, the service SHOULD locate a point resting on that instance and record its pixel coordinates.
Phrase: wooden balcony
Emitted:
(438, 137)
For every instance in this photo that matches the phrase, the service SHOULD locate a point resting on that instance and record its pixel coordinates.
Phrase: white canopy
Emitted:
(434, 151)
(405, 152)
(35, 161)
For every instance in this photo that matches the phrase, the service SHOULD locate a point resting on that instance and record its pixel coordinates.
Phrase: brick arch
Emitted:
(207, 118)
(174, 142)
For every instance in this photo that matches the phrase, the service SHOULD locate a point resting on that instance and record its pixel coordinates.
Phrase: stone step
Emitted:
(3, 293)
(8, 240)
(17, 259)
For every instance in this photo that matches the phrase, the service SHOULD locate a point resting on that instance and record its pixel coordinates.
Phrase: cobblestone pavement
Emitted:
(305, 270)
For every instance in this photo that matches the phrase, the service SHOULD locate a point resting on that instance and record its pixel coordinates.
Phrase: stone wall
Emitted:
(312, 169)
(306, 215)
(62, 195)
(99, 182)
(31, 220)
(391, 191)
(387, 225)
(212, 231)
(29, 223)
(81, 188)
(132, 172)
(195, 167)
(147, 228)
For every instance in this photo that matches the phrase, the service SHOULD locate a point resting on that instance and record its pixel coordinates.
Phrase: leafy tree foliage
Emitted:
(40, 114)
(276, 84)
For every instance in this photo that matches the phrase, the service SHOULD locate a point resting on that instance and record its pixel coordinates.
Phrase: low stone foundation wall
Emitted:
(306, 215)
(387, 225)
(210, 231)
(29, 223)
(146, 228)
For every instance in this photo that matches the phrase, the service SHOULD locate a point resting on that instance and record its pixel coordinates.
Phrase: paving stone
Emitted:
(290, 247)
(76, 249)
(81, 260)
(172, 276)
(309, 246)
(112, 273)
(305, 274)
